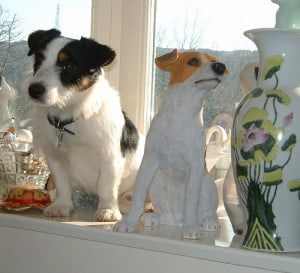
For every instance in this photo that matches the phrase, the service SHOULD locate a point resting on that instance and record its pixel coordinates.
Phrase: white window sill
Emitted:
(30, 242)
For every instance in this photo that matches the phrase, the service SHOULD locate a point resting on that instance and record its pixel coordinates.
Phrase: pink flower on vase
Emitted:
(288, 119)
(254, 136)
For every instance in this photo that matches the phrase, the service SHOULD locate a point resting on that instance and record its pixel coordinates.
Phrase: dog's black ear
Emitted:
(39, 39)
(97, 55)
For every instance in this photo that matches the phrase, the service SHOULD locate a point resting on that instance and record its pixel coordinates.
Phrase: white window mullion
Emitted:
(127, 26)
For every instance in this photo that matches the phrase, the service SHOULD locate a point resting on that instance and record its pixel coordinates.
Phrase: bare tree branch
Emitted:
(8, 35)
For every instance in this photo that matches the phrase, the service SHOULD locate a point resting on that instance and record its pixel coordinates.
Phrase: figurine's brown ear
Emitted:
(39, 39)
(165, 61)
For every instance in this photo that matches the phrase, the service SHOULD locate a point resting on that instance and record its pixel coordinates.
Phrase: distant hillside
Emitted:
(18, 63)
(220, 100)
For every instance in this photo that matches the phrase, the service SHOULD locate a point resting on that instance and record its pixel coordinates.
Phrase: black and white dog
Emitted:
(78, 121)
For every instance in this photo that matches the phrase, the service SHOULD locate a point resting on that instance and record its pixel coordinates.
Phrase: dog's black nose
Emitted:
(36, 90)
(218, 68)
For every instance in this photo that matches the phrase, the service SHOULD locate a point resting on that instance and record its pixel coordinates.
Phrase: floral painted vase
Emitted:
(266, 145)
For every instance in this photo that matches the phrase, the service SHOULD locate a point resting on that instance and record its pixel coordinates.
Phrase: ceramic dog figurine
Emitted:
(173, 166)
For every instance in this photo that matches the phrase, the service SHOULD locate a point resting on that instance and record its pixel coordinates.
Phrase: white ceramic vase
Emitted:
(266, 145)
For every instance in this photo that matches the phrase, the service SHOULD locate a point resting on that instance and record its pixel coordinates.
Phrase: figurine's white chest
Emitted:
(176, 137)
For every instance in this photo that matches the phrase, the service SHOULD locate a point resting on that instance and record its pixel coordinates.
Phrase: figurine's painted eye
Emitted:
(194, 61)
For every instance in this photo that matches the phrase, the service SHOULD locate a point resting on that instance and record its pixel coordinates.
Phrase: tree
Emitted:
(14, 64)
(8, 35)
(188, 33)
(185, 33)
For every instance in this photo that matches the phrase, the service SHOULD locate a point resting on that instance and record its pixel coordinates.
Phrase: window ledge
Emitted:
(217, 251)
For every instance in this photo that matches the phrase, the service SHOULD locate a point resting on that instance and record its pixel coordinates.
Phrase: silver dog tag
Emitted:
(60, 136)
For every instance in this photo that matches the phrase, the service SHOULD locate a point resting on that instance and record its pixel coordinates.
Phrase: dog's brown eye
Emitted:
(67, 66)
(194, 61)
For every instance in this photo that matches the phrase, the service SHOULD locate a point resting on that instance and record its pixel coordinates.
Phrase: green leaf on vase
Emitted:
(273, 176)
(253, 115)
(272, 65)
(271, 72)
(290, 143)
(294, 185)
(261, 227)
(280, 95)
(260, 239)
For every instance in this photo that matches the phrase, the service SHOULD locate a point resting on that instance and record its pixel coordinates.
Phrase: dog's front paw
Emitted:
(150, 219)
(191, 233)
(56, 210)
(210, 224)
(124, 226)
(108, 215)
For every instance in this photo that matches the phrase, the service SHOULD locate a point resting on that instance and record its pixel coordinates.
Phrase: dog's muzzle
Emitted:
(36, 90)
(219, 69)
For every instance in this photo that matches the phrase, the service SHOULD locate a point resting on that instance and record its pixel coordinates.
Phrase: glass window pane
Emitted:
(215, 27)
(18, 19)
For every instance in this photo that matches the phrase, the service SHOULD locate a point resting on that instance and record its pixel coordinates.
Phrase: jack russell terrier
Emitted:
(78, 122)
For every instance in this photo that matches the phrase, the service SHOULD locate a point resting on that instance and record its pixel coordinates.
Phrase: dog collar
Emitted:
(60, 126)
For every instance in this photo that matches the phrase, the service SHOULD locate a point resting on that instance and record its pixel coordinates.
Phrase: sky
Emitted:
(221, 22)
(75, 15)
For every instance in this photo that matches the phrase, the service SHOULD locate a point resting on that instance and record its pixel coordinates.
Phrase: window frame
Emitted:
(128, 27)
